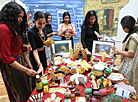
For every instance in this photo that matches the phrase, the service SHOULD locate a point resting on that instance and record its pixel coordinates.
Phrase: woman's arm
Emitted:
(74, 33)
(60, 31)
(20, 67)
(27, 60)
(37, 59)
(123, 53)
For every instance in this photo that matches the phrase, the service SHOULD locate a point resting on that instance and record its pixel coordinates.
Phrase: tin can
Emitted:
(45, 89)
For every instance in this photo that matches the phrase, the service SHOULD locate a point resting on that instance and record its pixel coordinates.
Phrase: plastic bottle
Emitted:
(39, 85)
(107, 84)
(101, 84)
(71, 52)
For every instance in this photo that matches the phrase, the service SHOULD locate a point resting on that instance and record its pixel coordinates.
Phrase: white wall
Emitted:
(130, 9)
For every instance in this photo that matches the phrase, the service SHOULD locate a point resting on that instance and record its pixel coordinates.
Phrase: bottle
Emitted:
(107, 84)
(71, 52)
(38, 83)
(101, 84)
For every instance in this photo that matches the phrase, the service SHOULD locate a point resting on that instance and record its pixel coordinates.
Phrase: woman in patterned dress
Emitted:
(13, 24)
(129, 61)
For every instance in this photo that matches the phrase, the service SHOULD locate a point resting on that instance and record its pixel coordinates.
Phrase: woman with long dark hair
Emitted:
(89, 26)
(129, 53)
(37, 35)
(13, 25)
(66, 29)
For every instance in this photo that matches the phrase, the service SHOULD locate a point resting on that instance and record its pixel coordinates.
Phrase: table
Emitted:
(109, 97)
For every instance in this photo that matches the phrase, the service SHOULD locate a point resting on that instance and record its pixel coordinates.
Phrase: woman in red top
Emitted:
(13, 24)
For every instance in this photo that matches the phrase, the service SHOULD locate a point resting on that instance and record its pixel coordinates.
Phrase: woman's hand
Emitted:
(87, 51)
(29, 65)
(48, 44)
(31, 72)
(113, 47)
(40, 69)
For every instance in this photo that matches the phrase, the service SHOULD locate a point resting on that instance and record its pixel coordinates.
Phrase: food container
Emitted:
(58, 75)
(99, 66)
(107, 72)
(96, 60)
(115, 69)
(97, 73)
(73, 71)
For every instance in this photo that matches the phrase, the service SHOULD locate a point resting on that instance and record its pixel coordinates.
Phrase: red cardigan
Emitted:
(8, 47)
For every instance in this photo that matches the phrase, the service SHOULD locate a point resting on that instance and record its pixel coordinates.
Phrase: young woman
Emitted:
(89, 26)
(48, 26)
(37, 35)
(129, 64)
(66, 29)
(13, 25)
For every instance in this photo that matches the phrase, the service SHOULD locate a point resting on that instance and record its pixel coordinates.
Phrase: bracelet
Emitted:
(39, 64)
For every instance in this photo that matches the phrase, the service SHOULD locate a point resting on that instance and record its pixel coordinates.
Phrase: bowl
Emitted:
(97, 73)
(104, 82)
(96, 60)
(58, 75)
(73, 71)
(66, 69)
(99, 66)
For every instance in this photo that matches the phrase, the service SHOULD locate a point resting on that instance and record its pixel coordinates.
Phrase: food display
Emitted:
(65, 69)
(99, 66)
(73, 71)
(104, 82)
(71, 64)
(116, 76)
(96, 60)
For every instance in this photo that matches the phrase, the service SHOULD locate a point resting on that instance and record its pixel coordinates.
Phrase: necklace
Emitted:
(40, 35)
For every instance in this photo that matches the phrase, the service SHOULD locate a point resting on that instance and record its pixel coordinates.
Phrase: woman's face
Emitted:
(49, 19)
(40, 23)
(66, 19)
(20, 17)
(125, 29)
(92, 19)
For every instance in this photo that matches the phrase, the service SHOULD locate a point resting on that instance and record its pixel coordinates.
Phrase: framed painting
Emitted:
(102, 46)
(62, 47)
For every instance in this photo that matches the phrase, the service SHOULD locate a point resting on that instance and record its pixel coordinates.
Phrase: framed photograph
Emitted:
(102, 46)
(62, 47)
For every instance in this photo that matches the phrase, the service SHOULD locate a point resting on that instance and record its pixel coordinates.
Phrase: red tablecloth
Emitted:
(82, 92)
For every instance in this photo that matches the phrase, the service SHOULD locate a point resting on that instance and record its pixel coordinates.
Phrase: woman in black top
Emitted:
(37, 35)
(90, 25)
(48, 26)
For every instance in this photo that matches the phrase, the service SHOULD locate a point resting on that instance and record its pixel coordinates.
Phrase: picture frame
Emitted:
(61, 47)
(102, 46)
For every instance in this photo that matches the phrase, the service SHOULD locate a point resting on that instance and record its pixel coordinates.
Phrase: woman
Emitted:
(13, 53)
(66, 29)
(129, 62)
(48, 26)
(37, 35)
(89, 26)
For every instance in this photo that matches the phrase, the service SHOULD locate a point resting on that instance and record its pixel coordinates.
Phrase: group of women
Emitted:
(13, 40)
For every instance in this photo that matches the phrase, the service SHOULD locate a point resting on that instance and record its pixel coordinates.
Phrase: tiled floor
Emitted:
(3, 92)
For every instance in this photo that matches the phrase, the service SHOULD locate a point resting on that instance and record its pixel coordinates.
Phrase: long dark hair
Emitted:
(8, 16)
(38, 14)
(66, 14)
(87, 23)
(46, 16)
(129, 22)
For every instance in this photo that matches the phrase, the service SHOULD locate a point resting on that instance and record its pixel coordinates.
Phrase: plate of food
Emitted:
(66, 69)
(116, 76)
(104, 82)
(71, 64)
